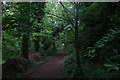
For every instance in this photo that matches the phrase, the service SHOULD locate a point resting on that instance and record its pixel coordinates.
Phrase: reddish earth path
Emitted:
(50, 69)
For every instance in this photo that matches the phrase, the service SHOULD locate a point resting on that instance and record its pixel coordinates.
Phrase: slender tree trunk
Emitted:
(77, 38)
(37, 44)
(54, 47)
(24, 49)
(79, 67)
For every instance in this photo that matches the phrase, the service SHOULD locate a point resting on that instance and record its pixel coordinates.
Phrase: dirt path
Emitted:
(50, 69)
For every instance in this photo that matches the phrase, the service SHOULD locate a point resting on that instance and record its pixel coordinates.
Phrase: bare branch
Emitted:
(66, 10)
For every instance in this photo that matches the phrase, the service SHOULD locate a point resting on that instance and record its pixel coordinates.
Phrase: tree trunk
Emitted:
(77, 38)
(24, 49)
(79, 69)
(54, 47)
(37, 44)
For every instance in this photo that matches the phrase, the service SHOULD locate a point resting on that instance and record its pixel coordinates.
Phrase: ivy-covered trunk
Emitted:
(25, 46)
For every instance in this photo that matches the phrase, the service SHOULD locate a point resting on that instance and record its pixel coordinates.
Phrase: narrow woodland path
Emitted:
(50, 69)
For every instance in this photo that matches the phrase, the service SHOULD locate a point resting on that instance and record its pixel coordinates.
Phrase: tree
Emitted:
(23, 17)
(39, 14)
(74, 21)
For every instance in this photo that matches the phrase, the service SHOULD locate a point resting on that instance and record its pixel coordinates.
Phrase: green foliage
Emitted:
(70, 49)
(10, 47)
(108, 42)
(69, 68)
(97, 70)
(20, 21)
(107, 50)
(99, 41)
(53, 26)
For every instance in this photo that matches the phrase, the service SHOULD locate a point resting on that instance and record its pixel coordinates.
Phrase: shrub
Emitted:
(13, 66)
(69, 66)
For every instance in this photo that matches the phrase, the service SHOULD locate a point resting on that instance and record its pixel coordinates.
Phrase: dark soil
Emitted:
(50, 69)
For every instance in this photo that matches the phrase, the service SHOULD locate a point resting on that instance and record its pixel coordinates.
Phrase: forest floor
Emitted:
(50, 69)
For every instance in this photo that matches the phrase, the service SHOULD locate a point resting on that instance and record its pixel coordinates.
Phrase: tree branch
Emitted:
(66, 10)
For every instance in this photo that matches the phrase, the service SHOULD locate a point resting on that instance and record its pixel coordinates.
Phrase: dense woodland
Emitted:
(89, 33)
